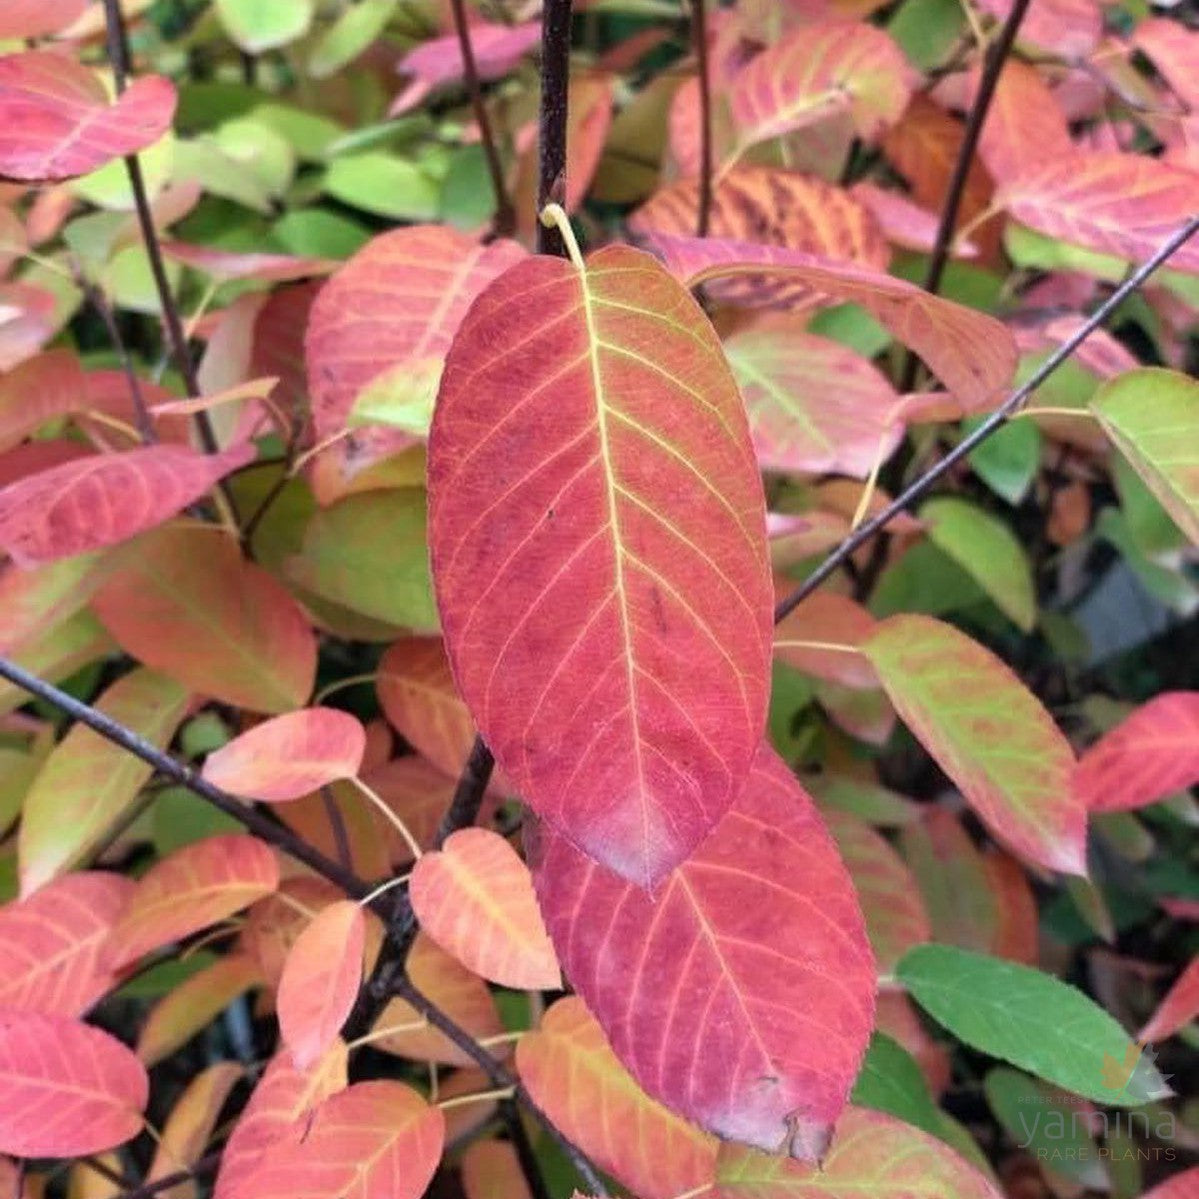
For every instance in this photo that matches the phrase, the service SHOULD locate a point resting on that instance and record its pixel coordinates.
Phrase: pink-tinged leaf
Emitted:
(904, 222)
(228, 264)
(398, 301)
(1025, 127)
(38, 600)
(816, 71)
(279, 1111)
(194, 1004)
(1068, 29)
(373, 1140)
(814, 405)
(185, 600)
(418, 793)
(573, 1075)
(777, 208)
(320, 981)
(475, 898)
(273, 924)
(1180, 1186)
(972, 353)
(872, 1154)
(741, 994)
(56, 121)
(87, 786)
(864, 713)
(196, 886)
(1145, 758)
(1179, 1007)
(462, 995)
(66, 1089)
(492, 1170)
(836, 619)
(50, 944)
(1121, 204)
(599, 549)
(190, 1125)
(290, 756)
(418, 696)
(105, 499)
(496, 48)
(37, 18)
(38, 390)
(1017, 937)
(895, 916)
(1174, 50)
(27, 321)
(989, 734)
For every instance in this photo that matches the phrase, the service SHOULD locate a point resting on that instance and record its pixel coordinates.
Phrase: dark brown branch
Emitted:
(997, 54)
(555, 81)
(206, 1165)
(505, 217)
(118, 53)
(996, 420)
(699, 34)
(261, 826)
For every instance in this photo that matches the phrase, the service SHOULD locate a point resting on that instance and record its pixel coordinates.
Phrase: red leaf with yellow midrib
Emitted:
(740, 994)
(599, 549)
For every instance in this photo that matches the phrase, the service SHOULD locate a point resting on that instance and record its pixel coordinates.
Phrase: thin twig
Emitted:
(555, 81)
(178, 772)
(208, 1164)
(699, 34)
(996, 420)
(505, 216)
(997, 54)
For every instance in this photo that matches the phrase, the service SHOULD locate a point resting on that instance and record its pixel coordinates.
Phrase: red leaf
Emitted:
(1121, 204)
(105, 499)
(320, 981)
(397, 301)
(56, 121)
(36, 18)
(826, 616)
(904, 222)
(1025, 127)
(600, 556)
(278, 1112)
(192, 888)
(475, 898)
(989, 734)
(1145, 758)
(50, 944)
(37, 390)
(1177, 1009)
(65, 1089)
(972, 353)
(27, 321)
(1174, 49)
(229, 264)
(574, 1077)
(290, 756)
(374, 1140)
(814, 405)
(742, 994)
(184, 600)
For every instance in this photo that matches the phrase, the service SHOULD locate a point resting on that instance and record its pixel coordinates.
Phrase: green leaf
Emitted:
(352, 32)
(400, 398)
(256, 26)
(1041, 1120)
(926, 580)
(868, 801)
(988, 551)
(890, 1080)
(1031, 1020)
(1008, 460)
(790, 693)
(179, 818)
(1165, 583)
(315, 233)
(1153, 417)
(384, 185)
(368, 553)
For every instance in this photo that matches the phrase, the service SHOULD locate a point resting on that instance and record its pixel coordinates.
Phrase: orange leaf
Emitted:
(273, 924)
(279, 1112)
(320, 981)
(1145, 758)
(289, 756)
(1025, 127)
(1177, 1009)
(492, 1170)
(56, 121)
(66, 1089)
(196, 886)
(601, 548)
(475, 899)
(104, 499)
(184, 600)
(374, 1140)
(50, 944)
(972, 353)
(194, 1004)
(576, 1079)
(189, 1127)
